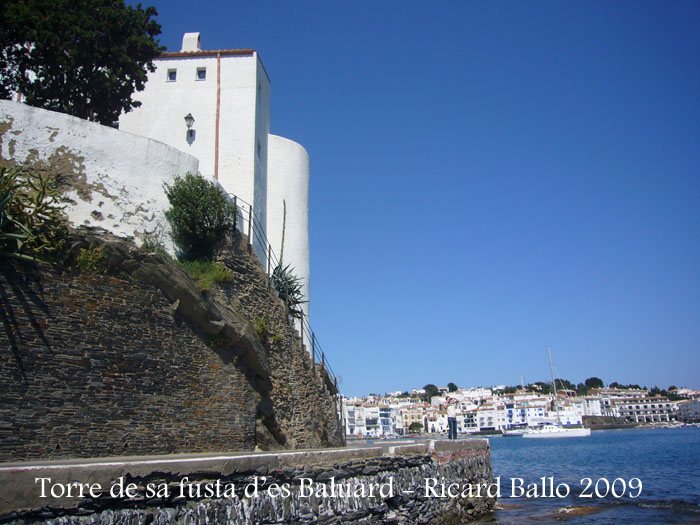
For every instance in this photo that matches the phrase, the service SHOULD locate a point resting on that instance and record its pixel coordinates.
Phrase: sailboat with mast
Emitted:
(556, 430)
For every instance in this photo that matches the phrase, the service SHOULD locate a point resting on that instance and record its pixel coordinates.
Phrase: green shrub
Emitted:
(92, 260)
(32, 225)
(219, 341)
(277, 338)
(200, 216)
(152, 243)
(206, 273)
(262, 329)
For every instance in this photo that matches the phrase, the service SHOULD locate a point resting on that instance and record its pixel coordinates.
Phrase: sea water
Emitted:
(605, 466)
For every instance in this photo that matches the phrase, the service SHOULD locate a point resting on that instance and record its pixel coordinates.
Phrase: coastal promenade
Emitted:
(380, 482)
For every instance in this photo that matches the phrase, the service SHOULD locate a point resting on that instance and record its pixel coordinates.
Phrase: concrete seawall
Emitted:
(401, 484)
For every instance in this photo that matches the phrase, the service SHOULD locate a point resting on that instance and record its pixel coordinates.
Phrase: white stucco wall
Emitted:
(119, 176)
(164, 106)
(288, 180)
(262, 130)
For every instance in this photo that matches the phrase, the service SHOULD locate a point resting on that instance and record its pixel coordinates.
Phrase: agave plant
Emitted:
(288, 287)
(31, 220)
(13, 233)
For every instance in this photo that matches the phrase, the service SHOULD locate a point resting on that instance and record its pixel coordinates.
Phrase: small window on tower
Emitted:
(201, 73)
(172, 75)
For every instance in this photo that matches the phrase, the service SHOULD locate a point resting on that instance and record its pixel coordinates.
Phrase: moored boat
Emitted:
(556, 431)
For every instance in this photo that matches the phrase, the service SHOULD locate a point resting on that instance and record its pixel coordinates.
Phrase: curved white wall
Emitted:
(288, 180)
(119, 175)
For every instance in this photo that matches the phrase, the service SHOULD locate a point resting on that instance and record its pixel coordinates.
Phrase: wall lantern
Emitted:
(189, 120)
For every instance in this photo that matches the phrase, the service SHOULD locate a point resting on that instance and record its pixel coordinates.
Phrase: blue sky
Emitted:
(488, 179)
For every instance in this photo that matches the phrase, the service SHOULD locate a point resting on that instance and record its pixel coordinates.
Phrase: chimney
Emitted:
(191, 42)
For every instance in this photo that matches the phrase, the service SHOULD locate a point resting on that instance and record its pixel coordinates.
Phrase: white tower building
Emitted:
(288, 187)
(227, 93)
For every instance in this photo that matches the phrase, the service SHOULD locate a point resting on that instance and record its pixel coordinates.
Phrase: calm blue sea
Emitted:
(667, 461)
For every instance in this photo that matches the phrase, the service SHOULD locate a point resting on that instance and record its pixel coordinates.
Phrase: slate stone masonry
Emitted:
(302, 397)
(94, 365)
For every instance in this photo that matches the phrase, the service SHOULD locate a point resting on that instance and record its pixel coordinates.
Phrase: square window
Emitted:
(201, 73)
(172, 75)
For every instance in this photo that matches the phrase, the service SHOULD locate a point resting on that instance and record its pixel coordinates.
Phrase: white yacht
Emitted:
(558, 430)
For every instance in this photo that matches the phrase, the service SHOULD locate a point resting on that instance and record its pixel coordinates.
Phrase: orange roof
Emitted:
(206, 53)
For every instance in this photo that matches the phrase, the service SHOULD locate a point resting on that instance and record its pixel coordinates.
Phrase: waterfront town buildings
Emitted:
(689, 407)
(686, 393)
(483, 410)
(689, 411)
(644, 409)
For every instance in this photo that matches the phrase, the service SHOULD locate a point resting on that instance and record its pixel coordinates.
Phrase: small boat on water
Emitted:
(558, 430)
(514, 433)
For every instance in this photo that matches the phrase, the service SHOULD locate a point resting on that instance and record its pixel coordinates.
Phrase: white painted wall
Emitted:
(124, 173)
(262, 130)
(288, 179)
(165, 104)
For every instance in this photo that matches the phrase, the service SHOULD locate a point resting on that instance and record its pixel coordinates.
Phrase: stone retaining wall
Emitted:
(302, 398)
(93, 365)
(147, 363)
(329, 486)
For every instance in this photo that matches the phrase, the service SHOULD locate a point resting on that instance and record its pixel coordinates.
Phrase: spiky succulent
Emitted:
(31, 219)
(288, 287)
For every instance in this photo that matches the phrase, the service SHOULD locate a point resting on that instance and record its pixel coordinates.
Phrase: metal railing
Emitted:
(248, 223)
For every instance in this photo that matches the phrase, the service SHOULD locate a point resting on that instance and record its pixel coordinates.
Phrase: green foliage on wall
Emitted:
(262, 329)
(206, 273)
(93, 260)
(32, 225)
(277, 338)
(153, 243)
(219, 341)
(200, 216)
